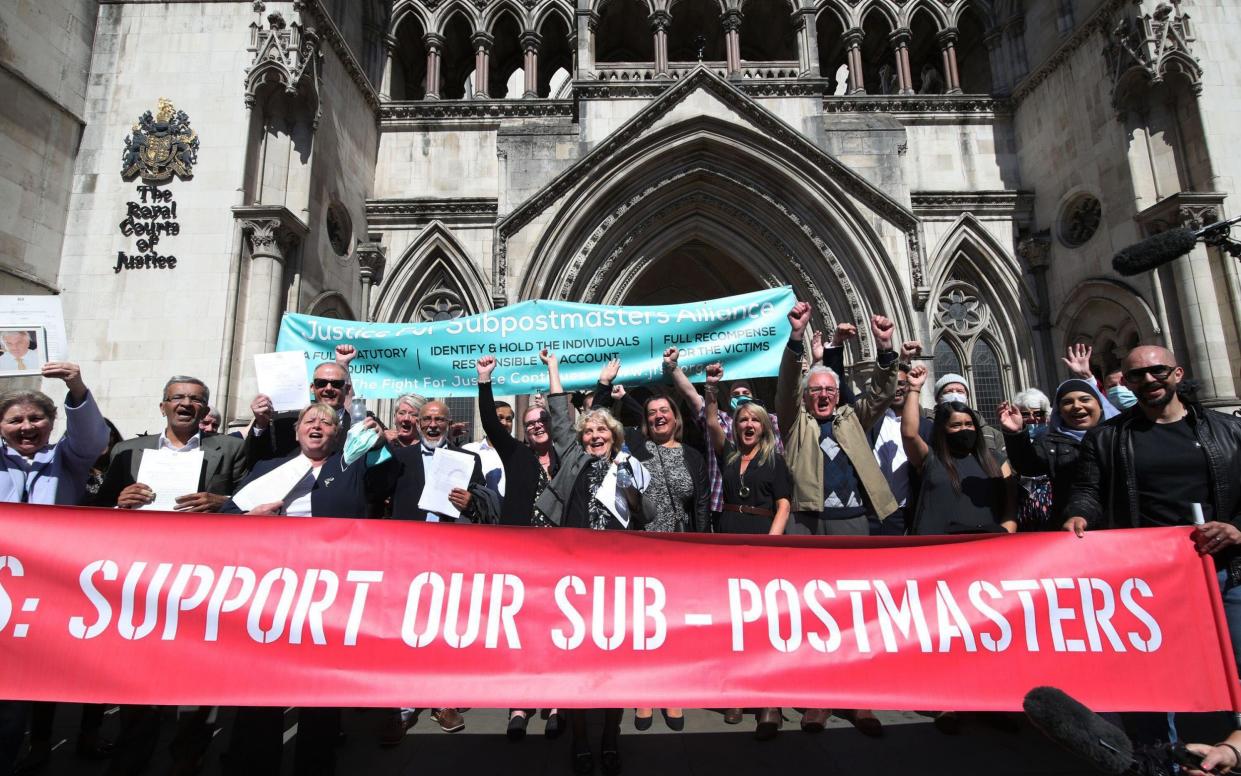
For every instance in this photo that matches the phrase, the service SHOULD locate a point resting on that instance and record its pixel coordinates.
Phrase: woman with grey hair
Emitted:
(35, 471)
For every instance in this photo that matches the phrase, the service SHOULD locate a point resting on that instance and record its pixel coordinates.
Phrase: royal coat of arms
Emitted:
(160, 146)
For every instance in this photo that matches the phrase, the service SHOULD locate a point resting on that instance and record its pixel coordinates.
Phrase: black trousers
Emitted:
(258, 742)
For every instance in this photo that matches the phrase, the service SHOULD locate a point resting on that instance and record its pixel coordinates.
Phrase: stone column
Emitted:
(1016, 32)
(807, 44)
(530, 42)
(587, 23)
(371, 261)
(731, 22)
(660, 21)
(274, 235)
(853, 43)
(435, 49)
(482, 63)
(1036, 250)
(389, 54)
(947, 40)
(994, 41)
(900, 42)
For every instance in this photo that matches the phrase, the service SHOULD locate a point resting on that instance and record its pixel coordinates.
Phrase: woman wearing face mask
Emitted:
(598, 487)
(965, 486)
(757, 491)
(1078, 407)
(528, 468)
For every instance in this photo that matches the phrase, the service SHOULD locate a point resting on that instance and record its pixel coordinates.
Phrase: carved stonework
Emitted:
(288, 56)
(457, 210)
(273, 232)
(372, 258)
(922, 103)
(440, 304)
(1080, 219)
(1189, 209)
(393, 114)
(1152, 45)
(960, 309)
(1036, 250)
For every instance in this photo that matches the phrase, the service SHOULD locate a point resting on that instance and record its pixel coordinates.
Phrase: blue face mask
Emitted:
(1121, 397)
(740, 400)
(359, 441)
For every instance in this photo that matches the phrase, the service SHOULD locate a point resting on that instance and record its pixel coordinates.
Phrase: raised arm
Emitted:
(1026, 459)
(911, 419)
(789, 381)
(552, 362)
(497, 434)
(673, 371)
(715, 431)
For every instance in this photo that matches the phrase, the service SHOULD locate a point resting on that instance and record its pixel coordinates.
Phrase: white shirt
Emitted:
(297, 503)
(493, 467)
(165, 443)
(890, 453)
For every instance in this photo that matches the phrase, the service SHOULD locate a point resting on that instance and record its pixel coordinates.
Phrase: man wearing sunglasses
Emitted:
(272, 435)
(1151, 464)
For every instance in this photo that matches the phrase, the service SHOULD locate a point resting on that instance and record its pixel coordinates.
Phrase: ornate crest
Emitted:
(160, 146)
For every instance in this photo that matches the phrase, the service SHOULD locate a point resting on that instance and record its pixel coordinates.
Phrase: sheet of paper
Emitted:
(273, 486)
(282, 377)
(446, 470)
(170, 474)
(36, 311)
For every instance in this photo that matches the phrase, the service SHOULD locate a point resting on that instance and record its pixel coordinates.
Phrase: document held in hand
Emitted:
(171, 474)
(446, 470)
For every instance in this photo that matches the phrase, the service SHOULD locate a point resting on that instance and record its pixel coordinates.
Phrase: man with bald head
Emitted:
(1150, 465)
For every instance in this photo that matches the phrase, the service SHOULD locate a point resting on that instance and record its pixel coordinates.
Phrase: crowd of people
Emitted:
(875, 455)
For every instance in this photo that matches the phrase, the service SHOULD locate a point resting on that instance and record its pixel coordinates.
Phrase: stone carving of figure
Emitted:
(842, 80)
(932, 83)
(887, 79)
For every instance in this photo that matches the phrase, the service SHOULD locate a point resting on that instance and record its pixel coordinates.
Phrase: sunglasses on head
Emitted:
(1158, 371)
(321, 382)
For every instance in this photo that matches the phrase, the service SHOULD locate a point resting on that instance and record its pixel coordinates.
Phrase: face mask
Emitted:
(962, 442)
(1034, 429)
(954, 396)
(1121, 397)
(740, 400)
(358, 442)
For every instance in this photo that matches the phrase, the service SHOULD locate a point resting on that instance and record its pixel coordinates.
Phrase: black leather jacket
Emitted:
(1105, 489)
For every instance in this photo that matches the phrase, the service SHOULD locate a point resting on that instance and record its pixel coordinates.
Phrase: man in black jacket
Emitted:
(1150, 465)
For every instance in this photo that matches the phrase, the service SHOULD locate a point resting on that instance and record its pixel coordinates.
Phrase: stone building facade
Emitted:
(966, 167)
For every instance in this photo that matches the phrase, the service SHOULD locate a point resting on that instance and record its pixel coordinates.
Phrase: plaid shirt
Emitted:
(714, 476)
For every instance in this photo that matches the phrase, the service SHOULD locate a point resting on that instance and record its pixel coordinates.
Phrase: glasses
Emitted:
(822, 390)
(339, 385)
(1032, 413)
(533, 423)
(1158, 371)
(192, 399)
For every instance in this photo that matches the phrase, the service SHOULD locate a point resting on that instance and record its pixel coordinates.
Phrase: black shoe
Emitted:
(610, 762)
(643, 723)
(517, 727)
(554, 726)
(675, 724)
(583, 763)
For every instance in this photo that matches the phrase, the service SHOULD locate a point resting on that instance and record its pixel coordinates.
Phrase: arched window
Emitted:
(624, 34)
(458, 59)
(961, 320)
(988, 384)
(946, 360)
(695, 25)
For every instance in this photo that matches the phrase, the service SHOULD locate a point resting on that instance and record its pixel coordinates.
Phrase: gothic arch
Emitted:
(935, 11)
(331, 304)
(553, 9)
(877, 6)
(1111, 317)
(982, 11)
(806, 231)
(720, 4)
(838, 10)
(434, 263)
(598, 5)
(977, 296)
(493, 13)
(408, 9)
(451, 8)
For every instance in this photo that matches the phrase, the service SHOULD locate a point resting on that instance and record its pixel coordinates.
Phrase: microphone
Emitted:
(1154, 251)
(1079, 730)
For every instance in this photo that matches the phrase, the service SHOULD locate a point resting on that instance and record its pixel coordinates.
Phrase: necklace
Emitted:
(744, 490)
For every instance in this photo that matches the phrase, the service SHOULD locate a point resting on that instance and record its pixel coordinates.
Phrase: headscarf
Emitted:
(1069, 386)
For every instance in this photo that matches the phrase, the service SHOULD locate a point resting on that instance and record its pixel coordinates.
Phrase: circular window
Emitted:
(339, 228)
(1079, 219)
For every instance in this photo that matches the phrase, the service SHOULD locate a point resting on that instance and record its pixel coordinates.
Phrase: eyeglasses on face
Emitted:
(177, 398)
(321, 382)
(533, 423)
(824, 390)
(1032, 413)
(1158, 371)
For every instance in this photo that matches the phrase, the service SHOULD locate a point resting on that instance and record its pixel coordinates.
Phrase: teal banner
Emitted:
(746, 333)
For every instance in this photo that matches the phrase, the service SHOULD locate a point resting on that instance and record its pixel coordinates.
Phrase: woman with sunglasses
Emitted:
(528, 468)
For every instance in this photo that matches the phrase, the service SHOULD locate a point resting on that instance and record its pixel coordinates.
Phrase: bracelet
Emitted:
(1236, 754)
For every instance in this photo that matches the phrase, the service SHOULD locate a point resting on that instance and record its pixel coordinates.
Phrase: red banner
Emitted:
(118, 606)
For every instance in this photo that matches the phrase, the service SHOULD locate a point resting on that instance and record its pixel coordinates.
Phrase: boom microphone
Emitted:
(1154, 251)
(1078, 729)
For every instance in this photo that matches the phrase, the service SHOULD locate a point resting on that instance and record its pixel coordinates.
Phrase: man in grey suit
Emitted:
(185, 401)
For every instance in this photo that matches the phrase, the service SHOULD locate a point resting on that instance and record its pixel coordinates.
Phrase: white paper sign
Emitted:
(33, 312)
(447, 469)
(273, 486)
(170, 474)
(282, 377)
